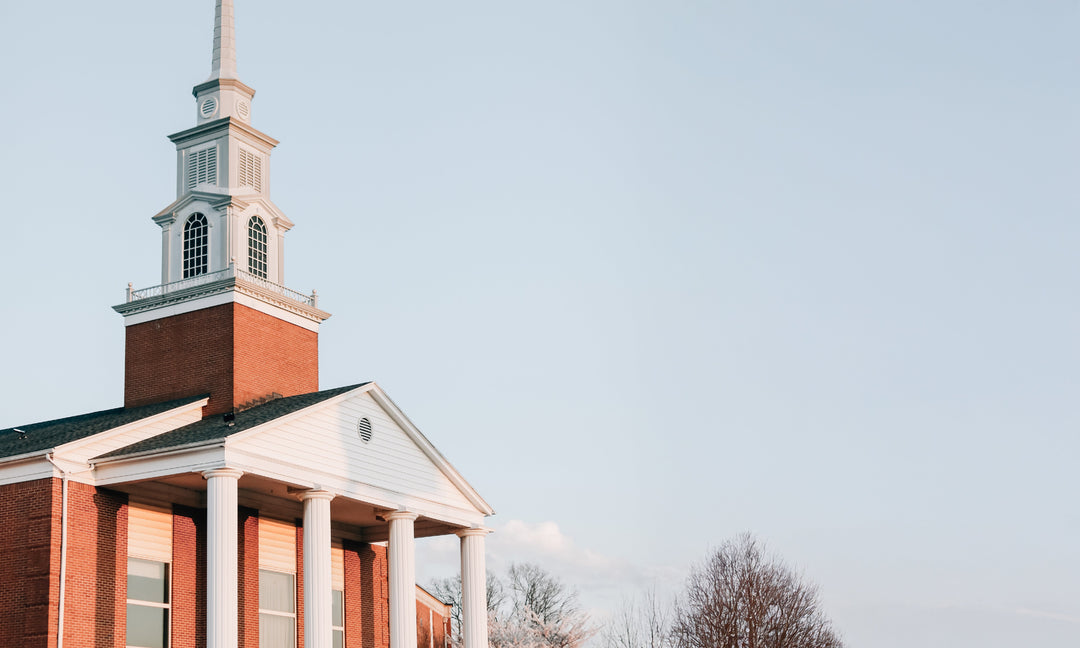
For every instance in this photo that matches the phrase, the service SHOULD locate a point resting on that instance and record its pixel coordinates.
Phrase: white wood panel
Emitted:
(337, 565)
(277, 545)
(326, 441)
(149, 531)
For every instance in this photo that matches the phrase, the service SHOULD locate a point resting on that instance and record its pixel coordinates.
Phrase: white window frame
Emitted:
(258, 247)
(198, 244)
(340, 628)
(287, 615)
(167, 605)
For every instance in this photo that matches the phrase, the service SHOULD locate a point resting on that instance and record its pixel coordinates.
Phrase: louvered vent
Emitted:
(243, 109)
(363, 428)
(202, 167)
(250, 170)
(208, 107)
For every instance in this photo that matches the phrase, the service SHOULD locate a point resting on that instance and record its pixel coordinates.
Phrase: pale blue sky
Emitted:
(649, 273)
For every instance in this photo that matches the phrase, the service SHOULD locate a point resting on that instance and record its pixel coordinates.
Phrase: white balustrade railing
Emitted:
(230, 272)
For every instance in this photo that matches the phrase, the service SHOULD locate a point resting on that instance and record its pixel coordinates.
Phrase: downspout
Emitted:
(63, 548)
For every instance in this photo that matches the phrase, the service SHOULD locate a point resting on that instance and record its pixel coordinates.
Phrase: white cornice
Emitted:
(214, 84)
(280, 469)
(223, 124)
(223, 291)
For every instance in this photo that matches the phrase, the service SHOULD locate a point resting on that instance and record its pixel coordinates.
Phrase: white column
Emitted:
(318, 601)
(473, 588)
(402, 580)
(221, 558)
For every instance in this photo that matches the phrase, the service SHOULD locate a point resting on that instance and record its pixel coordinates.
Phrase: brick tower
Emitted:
(221, 322)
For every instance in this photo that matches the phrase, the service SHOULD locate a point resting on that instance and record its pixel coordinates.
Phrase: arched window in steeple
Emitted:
(196, 233)
(257, 247)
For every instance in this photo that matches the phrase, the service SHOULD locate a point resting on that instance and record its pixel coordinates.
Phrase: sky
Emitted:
(650, 274)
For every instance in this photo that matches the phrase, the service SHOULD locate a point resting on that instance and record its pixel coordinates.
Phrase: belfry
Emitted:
(229, 503)
(221, 321)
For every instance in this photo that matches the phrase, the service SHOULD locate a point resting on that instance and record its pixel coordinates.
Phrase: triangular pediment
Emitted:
(358, 442)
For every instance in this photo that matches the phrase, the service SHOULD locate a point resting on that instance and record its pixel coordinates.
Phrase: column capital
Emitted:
(473, 531)
(400, 515)
(223, 472)
(316, 494)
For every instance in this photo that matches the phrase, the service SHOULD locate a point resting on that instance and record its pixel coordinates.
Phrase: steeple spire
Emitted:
(223, 94)
(223, 65)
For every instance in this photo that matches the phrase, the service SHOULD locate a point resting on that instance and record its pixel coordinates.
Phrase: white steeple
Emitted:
(223, 180)
(223, 95)
(223, 65)
(222, 238)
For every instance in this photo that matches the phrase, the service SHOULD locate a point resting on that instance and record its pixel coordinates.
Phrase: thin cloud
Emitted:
(1048, 615)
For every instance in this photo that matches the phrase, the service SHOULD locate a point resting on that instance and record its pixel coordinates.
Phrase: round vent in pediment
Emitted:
(243, 108)
(363, 428)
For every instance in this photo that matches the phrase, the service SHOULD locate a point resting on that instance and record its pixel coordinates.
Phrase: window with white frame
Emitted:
(257, 247)
(147, 604)
(338, 623)
(196, 248)
(337, 585)
(277, 609)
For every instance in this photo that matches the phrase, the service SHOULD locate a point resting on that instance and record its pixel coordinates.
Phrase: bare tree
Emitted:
(541, 611)
(448, 590)
(644, 623)
(530, 609)
(742, 598)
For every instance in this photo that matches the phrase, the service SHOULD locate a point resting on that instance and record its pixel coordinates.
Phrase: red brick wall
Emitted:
(423, 626)
(188, 623)
(232, 352)
(272, 355)
(431, 621)
(29, 563)
(96, 590)
(183, 355)
(248, 586)
(367, 596)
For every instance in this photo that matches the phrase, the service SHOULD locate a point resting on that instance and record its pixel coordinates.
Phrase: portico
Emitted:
(302, 459)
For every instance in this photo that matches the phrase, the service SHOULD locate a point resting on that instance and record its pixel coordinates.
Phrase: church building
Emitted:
(229, 503)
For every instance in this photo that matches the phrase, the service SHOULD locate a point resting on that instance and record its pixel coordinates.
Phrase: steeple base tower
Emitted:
(234, 353)
(238, 340)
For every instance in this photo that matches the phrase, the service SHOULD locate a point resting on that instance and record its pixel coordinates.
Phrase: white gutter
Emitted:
(27, 456)
(63, 549)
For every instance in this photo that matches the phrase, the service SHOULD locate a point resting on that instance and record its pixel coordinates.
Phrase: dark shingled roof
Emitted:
(214, 428)
(50, 434)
